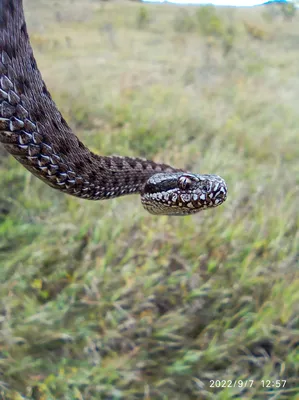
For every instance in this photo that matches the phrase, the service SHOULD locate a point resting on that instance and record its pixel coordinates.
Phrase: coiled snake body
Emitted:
(35, 133)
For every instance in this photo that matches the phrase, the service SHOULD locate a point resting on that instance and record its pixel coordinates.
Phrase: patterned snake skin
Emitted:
(33, 130)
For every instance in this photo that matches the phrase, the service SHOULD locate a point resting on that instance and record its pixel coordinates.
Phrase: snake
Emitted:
(34, 132)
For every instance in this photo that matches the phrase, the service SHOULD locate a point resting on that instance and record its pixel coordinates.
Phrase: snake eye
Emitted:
(205, 188)
(184, 182)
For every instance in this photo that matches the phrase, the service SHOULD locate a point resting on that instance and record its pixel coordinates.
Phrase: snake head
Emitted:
(181, 193)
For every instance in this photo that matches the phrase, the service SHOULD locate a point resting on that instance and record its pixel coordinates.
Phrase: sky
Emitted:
(239, 3)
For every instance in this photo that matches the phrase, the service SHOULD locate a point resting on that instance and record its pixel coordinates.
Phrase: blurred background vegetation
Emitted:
(100, 300)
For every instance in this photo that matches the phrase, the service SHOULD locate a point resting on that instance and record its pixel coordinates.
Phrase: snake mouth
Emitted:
(173, 203)
(220, 196)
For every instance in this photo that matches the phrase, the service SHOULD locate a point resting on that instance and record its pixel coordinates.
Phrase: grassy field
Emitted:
(100, 300)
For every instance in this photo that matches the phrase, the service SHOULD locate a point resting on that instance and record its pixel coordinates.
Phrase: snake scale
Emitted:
(33, 130)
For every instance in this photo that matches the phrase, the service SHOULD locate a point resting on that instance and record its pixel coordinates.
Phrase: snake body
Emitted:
(33, 130)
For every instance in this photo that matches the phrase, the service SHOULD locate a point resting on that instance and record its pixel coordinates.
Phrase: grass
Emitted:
(100, 300)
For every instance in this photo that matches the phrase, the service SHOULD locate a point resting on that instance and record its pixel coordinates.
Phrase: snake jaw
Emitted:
(181, 193)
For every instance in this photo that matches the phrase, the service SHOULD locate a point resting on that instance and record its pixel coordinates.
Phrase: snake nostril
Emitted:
(221, 195)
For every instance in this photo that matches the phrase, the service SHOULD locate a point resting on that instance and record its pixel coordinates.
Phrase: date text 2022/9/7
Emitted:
(222, 383)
